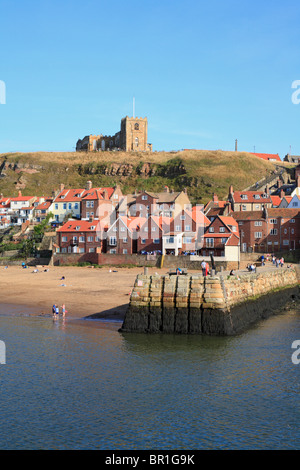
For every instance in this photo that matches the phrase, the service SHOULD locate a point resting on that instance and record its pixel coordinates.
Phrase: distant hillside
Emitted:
(202, 172)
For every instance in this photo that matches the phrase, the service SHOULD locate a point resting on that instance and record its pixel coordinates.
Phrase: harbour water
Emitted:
(84, 385)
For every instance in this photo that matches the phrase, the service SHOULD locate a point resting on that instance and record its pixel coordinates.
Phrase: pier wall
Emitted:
(213, 305)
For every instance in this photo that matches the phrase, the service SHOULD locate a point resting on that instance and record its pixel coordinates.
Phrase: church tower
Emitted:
(133, 135)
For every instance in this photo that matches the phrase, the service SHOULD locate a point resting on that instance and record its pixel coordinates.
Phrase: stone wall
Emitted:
(213, 305)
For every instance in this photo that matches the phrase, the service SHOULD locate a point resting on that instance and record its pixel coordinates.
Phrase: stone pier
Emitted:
(213, 305)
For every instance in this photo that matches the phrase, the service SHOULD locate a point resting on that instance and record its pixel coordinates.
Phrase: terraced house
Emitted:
(270, 230)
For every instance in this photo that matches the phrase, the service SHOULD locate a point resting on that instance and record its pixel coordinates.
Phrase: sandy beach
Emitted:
(98, 292)
(103, 292)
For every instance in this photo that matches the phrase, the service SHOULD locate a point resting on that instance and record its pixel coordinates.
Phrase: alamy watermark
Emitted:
(296, 354)
(296, 93)
(2, 353)
(2, 92)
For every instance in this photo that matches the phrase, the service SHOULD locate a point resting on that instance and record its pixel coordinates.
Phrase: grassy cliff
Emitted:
(201, 172)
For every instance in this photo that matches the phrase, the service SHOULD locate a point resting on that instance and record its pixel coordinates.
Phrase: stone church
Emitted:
(132, 137)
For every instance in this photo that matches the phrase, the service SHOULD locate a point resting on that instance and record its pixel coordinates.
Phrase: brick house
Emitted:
(222, 238)
(166, 203)
(185, 231)
(80, 236)
(269, 231)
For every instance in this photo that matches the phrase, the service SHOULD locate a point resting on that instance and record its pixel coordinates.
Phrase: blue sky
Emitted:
(204, 73)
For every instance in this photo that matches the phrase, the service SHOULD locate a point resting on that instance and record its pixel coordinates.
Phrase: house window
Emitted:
(125, 240)
(64, 239)
(76, 205)
(258, 223)
(273, 231)
(285, 230)
(177, 228)
(292, 230)
(286, 242)
(125, 251)
(244, 196)
(144, 197)
(143, 241)
(257, 234)
(112, 240)
(122, 229)
(292, 221)
(222, 229)
(210, 242)
(56, 206)
(75, 239)
(91, 250)
(223, 240)
(153, 229)
(211, 229)
(244, 208)
(182, 217)
(113, 251)
(156, 241)
(70, 205)
(187, 240)
(90, 239)
(81, 250)
(187, 228)
(273, 221)
(81, 239)
(64, 250)
(64, 205)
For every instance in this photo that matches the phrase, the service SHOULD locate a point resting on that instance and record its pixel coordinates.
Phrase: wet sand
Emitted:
(100, 292)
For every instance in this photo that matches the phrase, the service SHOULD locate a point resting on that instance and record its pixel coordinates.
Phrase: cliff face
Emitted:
(201, 172)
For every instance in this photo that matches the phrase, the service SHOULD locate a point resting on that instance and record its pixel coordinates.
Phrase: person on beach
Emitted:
(203, 267)
(281, 261)
(63, 310)
(57, 310)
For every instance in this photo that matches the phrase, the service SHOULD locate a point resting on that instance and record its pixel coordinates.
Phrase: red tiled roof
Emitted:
(84, 226)
(276, 200)
(233, 240)
(43, 205)
(22, 198)
(268, 156)
(252, 197)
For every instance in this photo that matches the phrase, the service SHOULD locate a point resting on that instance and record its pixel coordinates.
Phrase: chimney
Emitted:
(215, 198)
(231, 189)
(236, 145)
(61, 187)
(185, 190)
(278, 183)
(19, 193)
(166, 189)
(298, 181)
(89, 185)
(281, 193)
